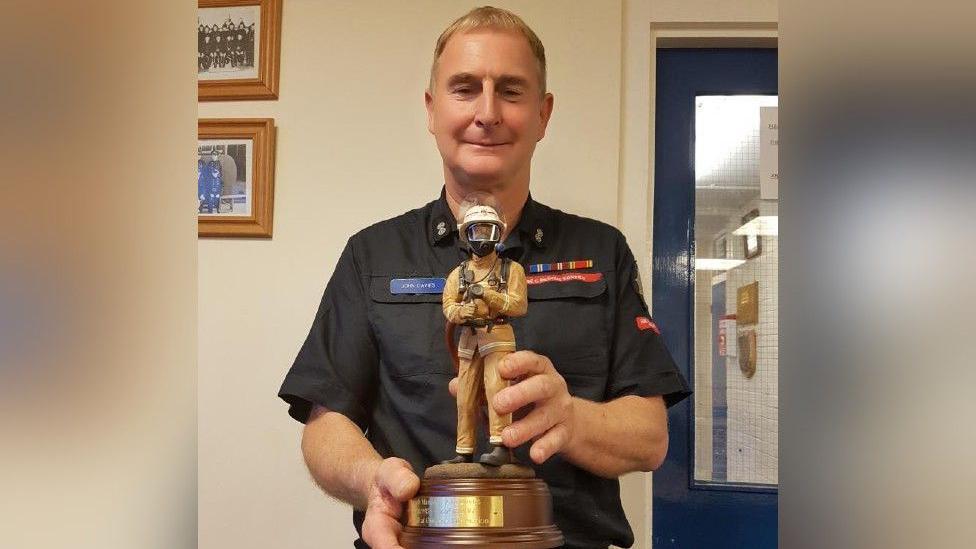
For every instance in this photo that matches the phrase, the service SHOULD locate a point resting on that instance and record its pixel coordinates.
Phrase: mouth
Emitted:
(485, 145)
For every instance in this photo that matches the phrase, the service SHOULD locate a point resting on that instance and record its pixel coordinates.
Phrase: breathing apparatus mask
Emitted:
(482, 238)
(481, 228)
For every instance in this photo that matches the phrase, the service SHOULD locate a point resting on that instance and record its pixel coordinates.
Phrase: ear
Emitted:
(429, 103)
(545, 113)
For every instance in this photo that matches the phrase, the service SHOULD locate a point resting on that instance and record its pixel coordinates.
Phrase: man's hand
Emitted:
(393, 484)
(537, 383)
(550, 423)
(608, 439)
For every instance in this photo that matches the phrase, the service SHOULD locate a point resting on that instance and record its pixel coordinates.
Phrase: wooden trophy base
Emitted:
(478, 506)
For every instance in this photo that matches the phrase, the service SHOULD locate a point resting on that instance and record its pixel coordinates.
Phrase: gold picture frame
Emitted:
(249, 69)
(235, 169)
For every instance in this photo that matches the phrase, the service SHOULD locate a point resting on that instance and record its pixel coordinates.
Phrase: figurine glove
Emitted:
(466, 311)
(497, 301)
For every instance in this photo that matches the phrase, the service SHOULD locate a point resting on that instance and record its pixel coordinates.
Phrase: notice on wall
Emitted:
(768, 153)
(726, 336)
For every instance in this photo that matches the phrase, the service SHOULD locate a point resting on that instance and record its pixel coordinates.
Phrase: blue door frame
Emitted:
(686, 514)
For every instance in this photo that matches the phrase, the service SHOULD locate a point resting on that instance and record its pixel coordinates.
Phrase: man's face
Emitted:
(487, 110)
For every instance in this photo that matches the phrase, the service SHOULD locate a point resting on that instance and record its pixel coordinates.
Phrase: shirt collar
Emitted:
(441, 221)
(534, 225)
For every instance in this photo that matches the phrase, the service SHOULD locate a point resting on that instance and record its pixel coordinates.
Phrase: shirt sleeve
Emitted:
(518, 303)
(641, 365)
(337, 365)
(449, 298)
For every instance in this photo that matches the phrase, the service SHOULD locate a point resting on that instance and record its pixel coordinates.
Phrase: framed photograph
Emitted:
(720, 247)
(751, 243)
(238, 49)
(235, 177)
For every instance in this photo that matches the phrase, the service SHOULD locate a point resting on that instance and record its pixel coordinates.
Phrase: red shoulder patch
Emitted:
(644, 323)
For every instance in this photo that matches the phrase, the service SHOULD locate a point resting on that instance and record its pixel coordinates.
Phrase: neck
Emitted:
(511, 196)
(482, 262)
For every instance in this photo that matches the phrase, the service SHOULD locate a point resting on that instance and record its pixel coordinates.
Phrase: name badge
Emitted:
(417, 285)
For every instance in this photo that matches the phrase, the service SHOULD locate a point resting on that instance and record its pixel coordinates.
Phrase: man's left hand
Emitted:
(536, 382)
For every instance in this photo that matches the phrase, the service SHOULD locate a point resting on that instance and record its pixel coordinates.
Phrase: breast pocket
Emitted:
(567, 322)
(409, 329)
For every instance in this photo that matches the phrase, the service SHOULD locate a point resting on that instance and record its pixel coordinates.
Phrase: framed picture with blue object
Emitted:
(235, 177)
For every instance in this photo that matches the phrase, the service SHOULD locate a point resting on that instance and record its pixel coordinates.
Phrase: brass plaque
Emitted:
(456, 511)
(747, 304)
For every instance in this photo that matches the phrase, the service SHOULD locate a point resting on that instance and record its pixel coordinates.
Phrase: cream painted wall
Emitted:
(353, 149)
(697, 11)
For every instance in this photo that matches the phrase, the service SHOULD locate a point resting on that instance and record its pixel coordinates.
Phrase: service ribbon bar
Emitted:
(561, 266)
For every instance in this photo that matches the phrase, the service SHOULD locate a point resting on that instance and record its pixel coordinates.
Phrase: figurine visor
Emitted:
(483, 232)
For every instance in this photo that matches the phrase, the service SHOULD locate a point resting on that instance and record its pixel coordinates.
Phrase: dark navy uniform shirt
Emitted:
(381, 359)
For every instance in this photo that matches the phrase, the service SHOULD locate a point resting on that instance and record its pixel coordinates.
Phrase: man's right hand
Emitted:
(393, 484)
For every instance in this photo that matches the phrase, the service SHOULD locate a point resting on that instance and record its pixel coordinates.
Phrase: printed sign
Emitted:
(769, 153)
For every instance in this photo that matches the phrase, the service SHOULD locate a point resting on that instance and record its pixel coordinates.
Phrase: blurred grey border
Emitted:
(97, 275)
(878, 156)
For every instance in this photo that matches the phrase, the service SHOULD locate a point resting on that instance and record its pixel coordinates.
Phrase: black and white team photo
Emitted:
(226, 43)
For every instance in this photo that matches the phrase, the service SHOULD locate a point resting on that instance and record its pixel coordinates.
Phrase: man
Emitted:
(590, 388)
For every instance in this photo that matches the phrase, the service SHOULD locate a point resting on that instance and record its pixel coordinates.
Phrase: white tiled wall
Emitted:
(753, 404)
(703, 375)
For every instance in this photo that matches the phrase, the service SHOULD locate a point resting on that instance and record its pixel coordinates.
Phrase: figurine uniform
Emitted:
(201, 183)
(215, 183)
(480, 296)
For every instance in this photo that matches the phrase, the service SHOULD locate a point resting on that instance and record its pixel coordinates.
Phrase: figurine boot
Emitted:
(460, 458)
(500, 455)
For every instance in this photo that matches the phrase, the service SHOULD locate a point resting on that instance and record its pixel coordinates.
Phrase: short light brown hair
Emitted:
(488, 17)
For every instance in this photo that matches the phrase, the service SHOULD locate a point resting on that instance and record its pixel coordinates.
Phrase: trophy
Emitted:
(494, 502)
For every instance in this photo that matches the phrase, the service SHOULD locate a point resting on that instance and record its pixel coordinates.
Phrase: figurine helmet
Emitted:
(481, 227)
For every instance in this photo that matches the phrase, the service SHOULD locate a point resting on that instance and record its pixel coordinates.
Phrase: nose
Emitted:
(487, 114)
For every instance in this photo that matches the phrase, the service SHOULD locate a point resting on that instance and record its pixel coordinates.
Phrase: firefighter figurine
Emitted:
(479, 297)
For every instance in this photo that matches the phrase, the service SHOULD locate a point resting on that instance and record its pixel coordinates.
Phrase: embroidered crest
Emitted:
(441, 228)
(538, 236)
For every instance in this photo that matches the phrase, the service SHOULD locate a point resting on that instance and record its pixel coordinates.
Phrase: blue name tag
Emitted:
(417, 285)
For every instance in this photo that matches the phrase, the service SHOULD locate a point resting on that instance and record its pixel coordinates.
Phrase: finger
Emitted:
(396, 478)
(523, 363)
(549, 443)
(527, 391)
(453, 387)
(380, 531)
(540, 420)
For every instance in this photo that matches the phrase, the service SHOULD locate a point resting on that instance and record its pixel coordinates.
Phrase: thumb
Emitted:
(453, 387)
(396, 477)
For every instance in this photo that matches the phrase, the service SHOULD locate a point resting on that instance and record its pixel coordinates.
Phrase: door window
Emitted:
(736, 320)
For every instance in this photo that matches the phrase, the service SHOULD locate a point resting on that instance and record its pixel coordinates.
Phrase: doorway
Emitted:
(715, 281)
